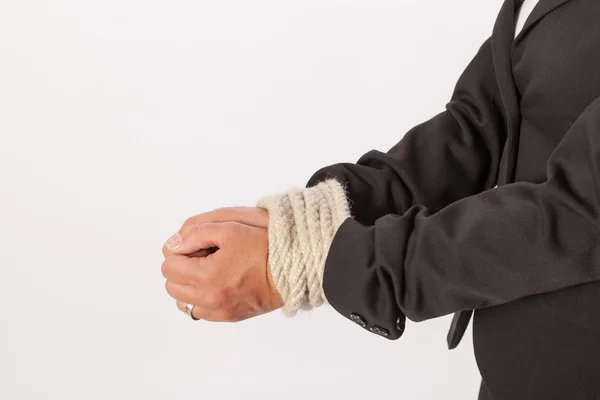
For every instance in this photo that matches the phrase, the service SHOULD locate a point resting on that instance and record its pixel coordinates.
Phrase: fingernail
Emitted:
(174, 242)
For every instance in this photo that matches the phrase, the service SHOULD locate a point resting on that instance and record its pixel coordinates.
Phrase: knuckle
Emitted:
(169, 288)
(191, 221)
(168, 267)
(164, 269)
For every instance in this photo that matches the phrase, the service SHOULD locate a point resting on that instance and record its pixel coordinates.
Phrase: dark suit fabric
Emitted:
(432, 235)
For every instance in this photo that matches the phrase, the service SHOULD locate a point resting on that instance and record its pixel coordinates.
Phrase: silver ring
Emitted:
(189, 308)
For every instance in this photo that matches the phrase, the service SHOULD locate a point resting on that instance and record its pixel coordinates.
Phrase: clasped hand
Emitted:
(218, 262)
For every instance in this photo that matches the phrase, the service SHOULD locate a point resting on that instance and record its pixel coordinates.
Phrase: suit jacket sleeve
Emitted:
(502, 244)
(453, 155)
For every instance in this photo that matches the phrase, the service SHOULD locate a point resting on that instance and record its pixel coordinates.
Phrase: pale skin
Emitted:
(218, 261)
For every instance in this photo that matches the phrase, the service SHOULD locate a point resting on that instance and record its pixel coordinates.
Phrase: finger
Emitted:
(253, 216)
(201, 237)
(180, 269)
(200, 253)
(182, 305)
(183, 293)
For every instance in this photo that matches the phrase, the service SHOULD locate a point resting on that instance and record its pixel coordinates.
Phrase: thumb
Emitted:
(200, 237)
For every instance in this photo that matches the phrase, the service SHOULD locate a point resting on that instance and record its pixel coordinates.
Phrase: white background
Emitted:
(119, 119)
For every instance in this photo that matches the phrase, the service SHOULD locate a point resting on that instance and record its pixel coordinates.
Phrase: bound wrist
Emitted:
(302, 224)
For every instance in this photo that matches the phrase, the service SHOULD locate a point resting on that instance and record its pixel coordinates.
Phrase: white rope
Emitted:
(302, 224)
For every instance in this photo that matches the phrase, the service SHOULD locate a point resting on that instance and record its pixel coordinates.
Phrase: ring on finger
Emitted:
(189, 309)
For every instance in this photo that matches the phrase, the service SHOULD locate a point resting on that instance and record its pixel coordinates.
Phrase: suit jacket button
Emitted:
(379, 330)
(358, 319)
(400, 324)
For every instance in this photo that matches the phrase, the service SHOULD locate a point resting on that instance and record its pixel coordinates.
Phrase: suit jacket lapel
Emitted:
(503, 42)
(502, 38)
(539, 11)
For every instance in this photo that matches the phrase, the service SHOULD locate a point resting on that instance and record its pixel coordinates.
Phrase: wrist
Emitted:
(302, 224)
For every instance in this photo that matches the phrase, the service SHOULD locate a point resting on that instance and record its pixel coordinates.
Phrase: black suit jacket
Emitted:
(492, 200)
